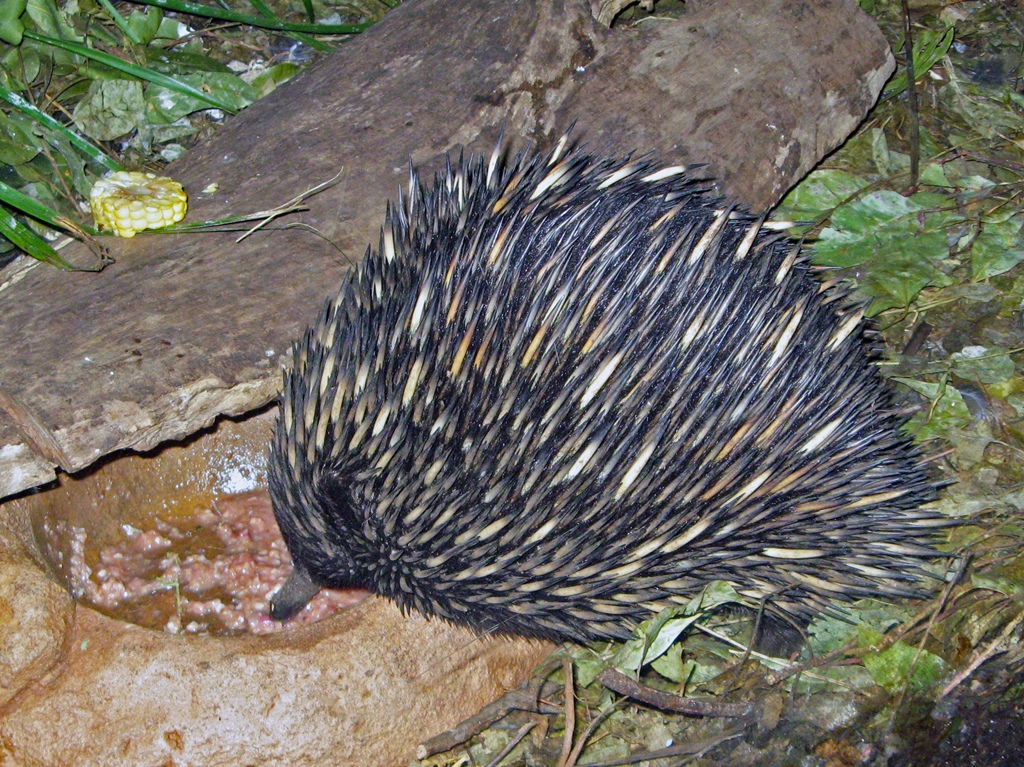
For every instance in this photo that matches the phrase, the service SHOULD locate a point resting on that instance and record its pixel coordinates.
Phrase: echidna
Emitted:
(567, 391)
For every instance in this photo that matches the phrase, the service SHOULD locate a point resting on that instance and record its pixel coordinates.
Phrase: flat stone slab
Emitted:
(182, 329)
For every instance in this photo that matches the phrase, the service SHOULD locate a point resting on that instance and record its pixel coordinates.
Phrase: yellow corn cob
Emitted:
(127, 202)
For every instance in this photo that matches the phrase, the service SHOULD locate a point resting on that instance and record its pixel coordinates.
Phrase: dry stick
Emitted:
(581, 742)
(915, 120)
(943, 599)
(994, 647)
(622, 684)
(693, 749)
(570, 713)
(520, 734)
(513, 700)
(526, 697)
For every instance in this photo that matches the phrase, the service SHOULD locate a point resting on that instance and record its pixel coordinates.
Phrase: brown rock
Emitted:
(35, 617)
(360, 689)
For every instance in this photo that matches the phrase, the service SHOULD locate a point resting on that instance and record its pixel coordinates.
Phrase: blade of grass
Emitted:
(44, 119)
(198, 9)
(131, 69)
(32, 207)
(928, 49)
(312, 42)
(28, 241)
(120, 21)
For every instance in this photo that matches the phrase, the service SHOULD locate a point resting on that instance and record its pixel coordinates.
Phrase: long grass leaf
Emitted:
(131, 69)
(44, 119)
(198, 9)
(28, 241)
(312, 42)
(32, 207)
(119, 20)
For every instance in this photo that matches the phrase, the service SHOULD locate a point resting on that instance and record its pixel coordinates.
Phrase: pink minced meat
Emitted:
(221, 589)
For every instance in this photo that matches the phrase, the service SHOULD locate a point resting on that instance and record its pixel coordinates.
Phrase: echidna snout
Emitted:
(567, 391)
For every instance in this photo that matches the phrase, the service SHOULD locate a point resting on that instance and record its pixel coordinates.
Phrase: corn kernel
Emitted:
(127, 202)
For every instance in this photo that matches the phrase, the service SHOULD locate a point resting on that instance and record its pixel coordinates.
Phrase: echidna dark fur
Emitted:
(566, 391)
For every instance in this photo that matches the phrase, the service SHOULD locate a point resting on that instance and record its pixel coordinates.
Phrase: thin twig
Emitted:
(943, 599)
(692, 749)
(570, 713)
(584, 737)
(526, 697)
(291, 205)
(915, 119)
(520, 734)
(993, 648)
(622, 684)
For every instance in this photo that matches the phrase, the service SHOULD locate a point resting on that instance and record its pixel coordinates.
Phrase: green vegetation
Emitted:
(92, 86)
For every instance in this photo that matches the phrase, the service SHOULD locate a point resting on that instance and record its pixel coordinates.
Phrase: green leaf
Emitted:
(988, 366)
(947, 411)
(83, 146)
(24, 61)
(182, 62)
(164, 105)
(266, 82)
(182, 86)
(172, 29)
(828, 633)
(998, 247)
(31, 207)
(990, 112)
(151, 133)
(887, 162)
(588, 665)
(901, 240)
(652, 638)
(715, 594)
(212, 12)
(929, 48)
(50, 20)
(896, 281)
(70, 162)
(145, 24)
(17, 142)
(934, 174)
(892, 667)
(11, 27)
(1007, 577)
(670, 664)
(817, 195)
(859, 227)
(110, 109)
(120, 21)
(28, 241)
